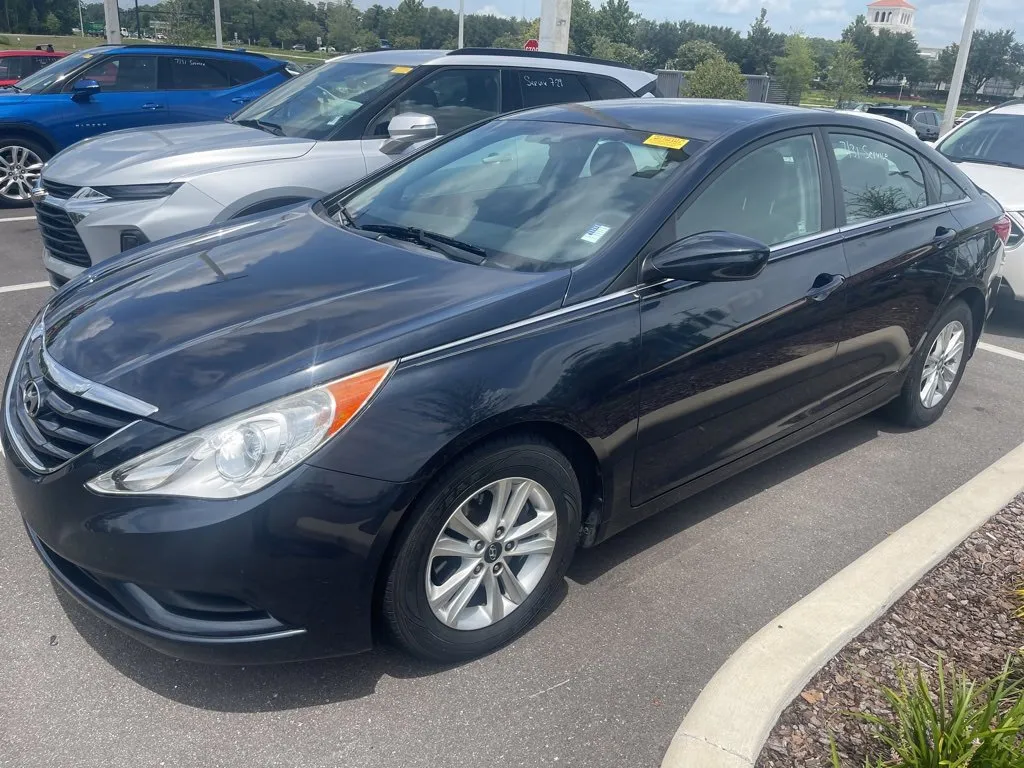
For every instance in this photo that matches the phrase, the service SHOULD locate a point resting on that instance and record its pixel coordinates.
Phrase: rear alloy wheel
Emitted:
(21, 162)
(491, 541)
(936, 371)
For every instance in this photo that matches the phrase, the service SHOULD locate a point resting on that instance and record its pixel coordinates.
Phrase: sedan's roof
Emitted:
(700, 119)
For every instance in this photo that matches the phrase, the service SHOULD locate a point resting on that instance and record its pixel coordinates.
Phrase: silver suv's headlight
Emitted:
(243, 453)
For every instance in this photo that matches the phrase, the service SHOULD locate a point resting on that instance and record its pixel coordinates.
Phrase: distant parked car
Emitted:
(966, 116)
(882, 118)
(383, 44)
(924, 120)
(17, 65)
(320, 131)
(990, 149)
(298, 47)
(119, 86)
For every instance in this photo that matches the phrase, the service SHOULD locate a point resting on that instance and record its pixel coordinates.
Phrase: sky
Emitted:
(938, 22)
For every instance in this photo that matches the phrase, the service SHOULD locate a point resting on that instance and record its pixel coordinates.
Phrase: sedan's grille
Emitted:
(56, 189)
(60, 236)
(50, 424)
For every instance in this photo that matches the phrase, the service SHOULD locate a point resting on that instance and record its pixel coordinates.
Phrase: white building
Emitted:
(895, 15)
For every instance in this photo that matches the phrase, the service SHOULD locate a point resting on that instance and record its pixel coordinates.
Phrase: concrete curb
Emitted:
(728, 724)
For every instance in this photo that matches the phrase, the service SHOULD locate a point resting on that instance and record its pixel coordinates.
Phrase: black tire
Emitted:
(405, 608)
(6, 200)
(908, 409)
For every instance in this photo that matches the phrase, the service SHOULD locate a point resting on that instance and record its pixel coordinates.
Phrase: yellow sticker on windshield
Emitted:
(668, 142)
(401, 70)
(88, 55)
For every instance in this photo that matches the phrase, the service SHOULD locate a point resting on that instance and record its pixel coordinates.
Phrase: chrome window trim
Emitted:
(933, 208)
(589, 303)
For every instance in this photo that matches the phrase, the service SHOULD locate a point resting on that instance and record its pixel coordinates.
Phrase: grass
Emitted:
(960, 724)
(70, 43)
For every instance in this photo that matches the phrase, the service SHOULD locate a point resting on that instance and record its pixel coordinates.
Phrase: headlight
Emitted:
(126, 192)
(242, 454)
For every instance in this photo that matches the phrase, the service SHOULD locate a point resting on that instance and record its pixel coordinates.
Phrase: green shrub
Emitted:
(5, 40)
(962, 724)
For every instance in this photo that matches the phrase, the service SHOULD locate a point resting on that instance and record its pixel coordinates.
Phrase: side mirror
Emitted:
(83, 90)
(708, 257)
(406, 129)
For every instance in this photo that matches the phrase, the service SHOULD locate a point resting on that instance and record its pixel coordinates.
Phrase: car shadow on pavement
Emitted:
(589, 564)
(298, 685)
(1007, 319)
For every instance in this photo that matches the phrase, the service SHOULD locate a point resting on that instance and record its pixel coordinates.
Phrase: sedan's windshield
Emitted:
(994, 139)
(314, 104)
(522, 194)
(58, 70)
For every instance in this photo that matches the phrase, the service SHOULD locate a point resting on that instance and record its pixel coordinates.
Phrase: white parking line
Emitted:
(18, 218)
(1001, 350)
(22, 287)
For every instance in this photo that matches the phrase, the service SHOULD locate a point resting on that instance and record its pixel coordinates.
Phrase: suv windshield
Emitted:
(893, 113)
(520, 194)
(314, 104)
(993, 138)
(58, 70)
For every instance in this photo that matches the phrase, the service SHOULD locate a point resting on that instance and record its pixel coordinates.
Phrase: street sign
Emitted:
(531, 45)
(319, 41)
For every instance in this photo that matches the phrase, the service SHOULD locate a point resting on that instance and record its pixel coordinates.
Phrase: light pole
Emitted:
(216, 24)
(81, 22)
(462, 23)
(554, 25)
(112, 20)
(953, 100)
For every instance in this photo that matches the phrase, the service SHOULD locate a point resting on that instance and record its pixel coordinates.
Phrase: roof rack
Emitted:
(205, 48)
(536, 55)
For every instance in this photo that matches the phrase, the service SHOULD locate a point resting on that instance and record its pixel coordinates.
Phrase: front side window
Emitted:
(515, 191)
(878, 178)
(124, 73)
(543, 87)
(772, 195)
(316, 103)
(453, 97)
(190, 73)
(992, 139)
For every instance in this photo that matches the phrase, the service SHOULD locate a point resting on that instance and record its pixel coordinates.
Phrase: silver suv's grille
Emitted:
(60, 236)
(47, 423)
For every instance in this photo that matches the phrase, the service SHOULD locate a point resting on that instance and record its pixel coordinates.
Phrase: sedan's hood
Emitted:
(1004, 184)
(168, 153)
(232, 317)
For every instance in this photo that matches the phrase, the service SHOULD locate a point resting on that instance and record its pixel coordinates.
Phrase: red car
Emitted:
(15, 65)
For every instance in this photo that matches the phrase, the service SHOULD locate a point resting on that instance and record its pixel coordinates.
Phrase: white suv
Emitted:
(315, 134)
(990, 149)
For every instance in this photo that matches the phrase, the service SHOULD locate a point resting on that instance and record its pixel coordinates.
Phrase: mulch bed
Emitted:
(963, 609)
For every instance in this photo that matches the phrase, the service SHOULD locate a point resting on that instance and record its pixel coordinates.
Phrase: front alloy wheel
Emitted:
(483, 550)
(491, 554)
(20, 167)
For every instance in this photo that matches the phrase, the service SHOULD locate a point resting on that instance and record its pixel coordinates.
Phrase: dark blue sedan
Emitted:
(413, 400)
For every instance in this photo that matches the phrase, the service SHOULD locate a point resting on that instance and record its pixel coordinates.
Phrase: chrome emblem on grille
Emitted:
(30, 397)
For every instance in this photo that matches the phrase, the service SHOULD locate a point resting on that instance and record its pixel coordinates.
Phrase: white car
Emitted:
(315, 134)
(990, 149)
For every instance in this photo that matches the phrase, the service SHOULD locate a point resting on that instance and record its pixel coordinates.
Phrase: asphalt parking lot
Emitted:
(604, 680)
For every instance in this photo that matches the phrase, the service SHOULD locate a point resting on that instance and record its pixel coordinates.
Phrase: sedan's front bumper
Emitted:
(283, 574)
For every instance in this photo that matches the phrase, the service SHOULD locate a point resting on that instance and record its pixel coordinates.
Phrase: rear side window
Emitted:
(190, 73)
(878, 178)
(542, 87)
(606, 88)
(11, 67)
(240, 72)
(949, 190)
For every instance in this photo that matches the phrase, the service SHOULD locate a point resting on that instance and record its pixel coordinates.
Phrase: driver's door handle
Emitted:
(242, 99)
(822, 292)
(152, 105)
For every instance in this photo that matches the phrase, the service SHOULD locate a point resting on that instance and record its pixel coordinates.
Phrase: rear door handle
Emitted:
(943, 235)
(822, 292)
(242, 99)
(152, 105)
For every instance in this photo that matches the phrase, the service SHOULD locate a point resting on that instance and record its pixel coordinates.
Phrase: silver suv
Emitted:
(312, 135)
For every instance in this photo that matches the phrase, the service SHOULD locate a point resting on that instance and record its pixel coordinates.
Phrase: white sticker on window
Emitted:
(595, 233)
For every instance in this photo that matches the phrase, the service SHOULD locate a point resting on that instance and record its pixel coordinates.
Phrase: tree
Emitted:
(660, 41)
(183, 22)
(717, 78)
(845, 78)
(285, 35)
(824, 51)
(603, 48)
(615, 20)
(51, 24)
(726, 39)
(343, 25)
(993, 55)
(408, 20)
(694, 52)
(863, 39)
(762, 46)
(376, 19)
(582, 26)
(796, 69)
(941, 70)
(306, 32)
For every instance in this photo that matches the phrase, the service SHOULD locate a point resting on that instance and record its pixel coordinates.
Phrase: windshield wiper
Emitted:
(449, 246)
(13, 87)
(263, 125)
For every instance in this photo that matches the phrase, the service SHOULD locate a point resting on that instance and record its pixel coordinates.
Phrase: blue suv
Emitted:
(119, 86)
